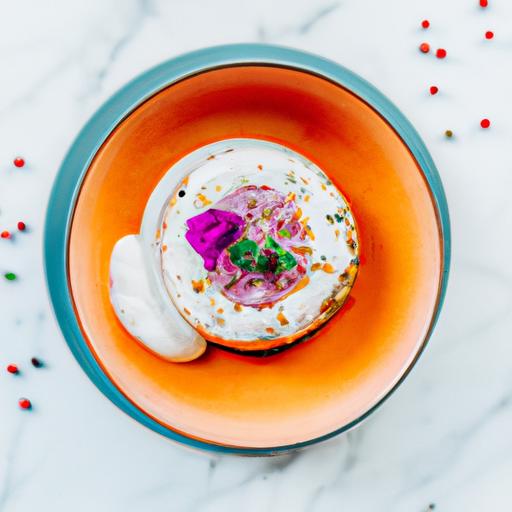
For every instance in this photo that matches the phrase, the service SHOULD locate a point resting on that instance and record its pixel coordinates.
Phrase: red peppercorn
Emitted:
(424, 47)
(484, 3)
(5, 234)
(22, 226)
(441, 53)
(24, 403)
(489, 34)
(425, 23)
(12, 368)
(434, 90)
(485, 123)
(19, 162)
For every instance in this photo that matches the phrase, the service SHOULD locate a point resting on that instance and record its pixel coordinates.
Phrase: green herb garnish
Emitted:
(246, 255)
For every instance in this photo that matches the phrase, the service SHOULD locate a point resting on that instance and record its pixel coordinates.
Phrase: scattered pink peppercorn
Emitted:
(12, 368)
(441, 53)
(25, 403)
(484, 3)
(424, 47)
(433, 89)
(489, 34)
(425, 23)
(485, 123)
(19, 162)
(5, 234)
(21, 226)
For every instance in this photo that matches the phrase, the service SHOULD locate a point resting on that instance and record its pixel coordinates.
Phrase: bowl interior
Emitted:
(328, 381)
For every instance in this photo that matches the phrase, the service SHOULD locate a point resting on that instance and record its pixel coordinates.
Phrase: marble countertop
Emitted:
(442, 440)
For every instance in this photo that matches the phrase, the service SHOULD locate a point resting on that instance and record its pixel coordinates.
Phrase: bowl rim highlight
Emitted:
(70, 176)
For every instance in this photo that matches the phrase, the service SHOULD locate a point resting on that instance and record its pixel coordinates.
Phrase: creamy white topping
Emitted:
(161, 291)
(139, 308)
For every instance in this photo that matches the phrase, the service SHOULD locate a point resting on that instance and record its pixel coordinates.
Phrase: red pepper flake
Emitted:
(485, 123)
(425, 23)
(424, 47)
(12, 368)
(282, 319)
(484, 3)
(489, 34)
(18, 162)
(433, 90)
(328, 268)
(198, 286)
(24, 403)
(21, 226)
(440, 53)
(265, 187)
(5, 234)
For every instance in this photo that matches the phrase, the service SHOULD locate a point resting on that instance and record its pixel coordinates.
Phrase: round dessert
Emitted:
(249, 242)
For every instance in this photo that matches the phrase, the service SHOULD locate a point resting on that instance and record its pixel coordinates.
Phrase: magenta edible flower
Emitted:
(210, 232)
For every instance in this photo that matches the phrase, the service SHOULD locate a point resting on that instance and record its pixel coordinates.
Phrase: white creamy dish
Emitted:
(243, 242)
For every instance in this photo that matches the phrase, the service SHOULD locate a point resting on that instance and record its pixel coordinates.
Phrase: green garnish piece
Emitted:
(231, 283)
(247, 256)
(262, 263)
(243, 254)
(285, 261)
(10, 276)
(270, 243)
(284, 233)
(338, 217)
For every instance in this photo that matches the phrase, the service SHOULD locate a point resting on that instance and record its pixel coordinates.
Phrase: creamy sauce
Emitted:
(168, 290)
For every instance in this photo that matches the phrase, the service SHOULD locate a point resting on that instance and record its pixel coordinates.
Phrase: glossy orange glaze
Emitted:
(328, 381)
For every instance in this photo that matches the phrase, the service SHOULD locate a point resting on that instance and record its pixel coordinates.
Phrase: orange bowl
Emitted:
(226, 401)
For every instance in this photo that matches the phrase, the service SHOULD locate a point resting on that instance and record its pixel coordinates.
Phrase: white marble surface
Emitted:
(443, 438)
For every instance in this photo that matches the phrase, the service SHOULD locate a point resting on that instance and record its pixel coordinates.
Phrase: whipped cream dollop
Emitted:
(243, 242)
(137, 305)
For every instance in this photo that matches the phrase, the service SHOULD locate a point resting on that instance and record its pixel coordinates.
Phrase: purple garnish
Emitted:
(210, 232)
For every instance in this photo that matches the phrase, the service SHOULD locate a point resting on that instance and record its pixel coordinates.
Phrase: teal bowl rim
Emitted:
(74, 167)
